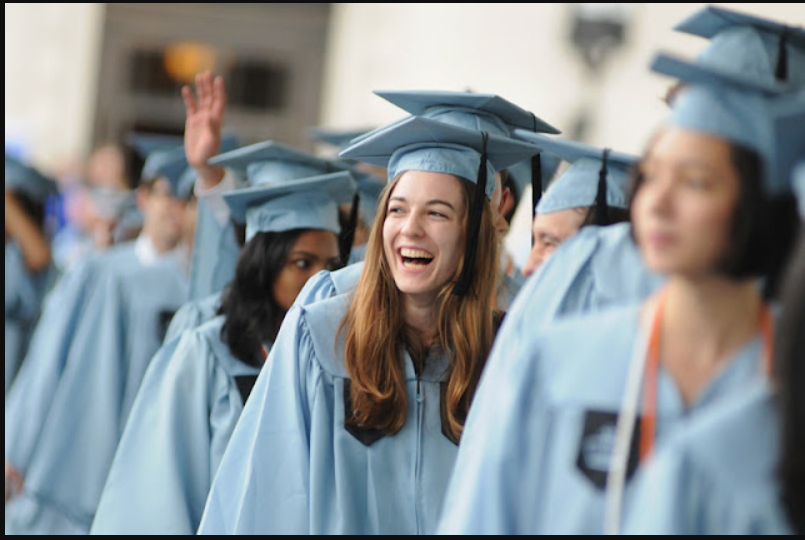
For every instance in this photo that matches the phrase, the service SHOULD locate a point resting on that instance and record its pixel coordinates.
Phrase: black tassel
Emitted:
(462, 286)
(781, 73)
(348, 234)
(536, 187)
(601, 211)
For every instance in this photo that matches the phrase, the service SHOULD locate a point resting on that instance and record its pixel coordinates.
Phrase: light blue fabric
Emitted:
(577, 187)
(170, 165)
(536, 447)
(747, 45)
(68, 406)
(215, 253)
(193, 314)
(25, 292)
(760, 116)
(715, 476)
(308, 203)
(178, 429)
(327, 284)
(422, 144)
(292, 466)
(28, 181)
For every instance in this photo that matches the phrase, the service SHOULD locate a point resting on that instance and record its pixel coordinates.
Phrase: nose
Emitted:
(658, 195)
(535, 259)
(412, 227)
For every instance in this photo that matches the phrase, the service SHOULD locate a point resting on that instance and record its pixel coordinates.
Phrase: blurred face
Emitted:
(549, 231)
(423, 234)
(683, 210)
(163, 215)
(313, 252)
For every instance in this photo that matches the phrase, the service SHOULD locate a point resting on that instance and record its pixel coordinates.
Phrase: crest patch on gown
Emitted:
(596, 445)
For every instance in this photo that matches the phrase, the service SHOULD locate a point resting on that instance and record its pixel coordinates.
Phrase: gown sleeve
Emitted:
(162, 469)
(262, 484)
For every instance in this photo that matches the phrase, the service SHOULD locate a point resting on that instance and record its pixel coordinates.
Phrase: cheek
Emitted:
(287, 286)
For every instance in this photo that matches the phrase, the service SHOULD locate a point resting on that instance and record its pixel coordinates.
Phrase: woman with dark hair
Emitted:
(190, 402)
(353, 426)
(27, 258)
(554, 452)
(740, 468)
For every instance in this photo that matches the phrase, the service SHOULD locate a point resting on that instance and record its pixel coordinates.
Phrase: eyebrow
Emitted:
(429, 203)
(298, 253)
(546, 237)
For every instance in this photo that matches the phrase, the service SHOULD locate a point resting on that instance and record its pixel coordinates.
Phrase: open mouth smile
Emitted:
(415, 259)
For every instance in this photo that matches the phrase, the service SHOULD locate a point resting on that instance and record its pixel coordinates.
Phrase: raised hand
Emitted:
(202, 132)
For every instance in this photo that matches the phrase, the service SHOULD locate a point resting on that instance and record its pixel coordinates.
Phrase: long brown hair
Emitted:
(377, 333)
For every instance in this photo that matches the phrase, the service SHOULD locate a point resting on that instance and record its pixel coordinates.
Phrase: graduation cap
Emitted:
(748, 46)
(270, 163)
(597, 177)
(144, 144)
(483, 112)
(758, 115)
(338, 138)
(370, 190)
(421, 144)
(27, 180)
(111, 203)
(309, 203)
(170, 165)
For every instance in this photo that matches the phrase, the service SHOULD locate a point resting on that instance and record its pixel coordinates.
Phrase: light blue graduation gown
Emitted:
(176, 434)
(25, 292)
(535, 451)
(293, 467)
(193, 314)
(215, 256)
(65, 413)
(327, 284)
(715, 476)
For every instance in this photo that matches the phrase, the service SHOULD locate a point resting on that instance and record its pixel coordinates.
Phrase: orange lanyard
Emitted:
(264, 351)
(648, 423)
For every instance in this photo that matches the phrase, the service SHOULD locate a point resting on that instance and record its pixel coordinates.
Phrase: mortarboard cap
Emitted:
(417, 143)
(270, 163)
(27, 180)
(338, 138)
(758, 115)
(748, 46)
(578, 186)
(309, 203)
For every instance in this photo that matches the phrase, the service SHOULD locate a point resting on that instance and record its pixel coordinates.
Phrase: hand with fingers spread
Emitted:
(202, 132)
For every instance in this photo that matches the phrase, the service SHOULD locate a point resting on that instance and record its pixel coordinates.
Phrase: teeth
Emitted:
(415, 254)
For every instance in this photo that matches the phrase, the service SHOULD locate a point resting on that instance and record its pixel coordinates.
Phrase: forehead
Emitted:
(560, 223)
(677, 146)
(423, 186)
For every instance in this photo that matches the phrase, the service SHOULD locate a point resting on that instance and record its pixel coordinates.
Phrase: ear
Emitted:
(506, 202)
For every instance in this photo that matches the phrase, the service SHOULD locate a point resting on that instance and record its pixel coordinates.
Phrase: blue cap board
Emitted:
(577, 187)
(748, 46)
(271, 163)
(421, 144)
(757, 115)
(799, 187)
(309, 203)
(27, 180)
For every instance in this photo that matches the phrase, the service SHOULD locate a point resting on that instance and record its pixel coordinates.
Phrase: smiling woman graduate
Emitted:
(353, 426)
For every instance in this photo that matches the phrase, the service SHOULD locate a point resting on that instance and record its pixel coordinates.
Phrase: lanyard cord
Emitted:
(645, 366)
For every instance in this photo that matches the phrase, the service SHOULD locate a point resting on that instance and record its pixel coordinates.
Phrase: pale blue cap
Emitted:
(28, 181)
(757, 115)
(271, 163)
(577, 187)
(421, 144)
(309, 203)
(339, 138)
(170, 165)
(370, 189)
(145, 144)
(748, 46)
(482, 112)
(799, 187)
